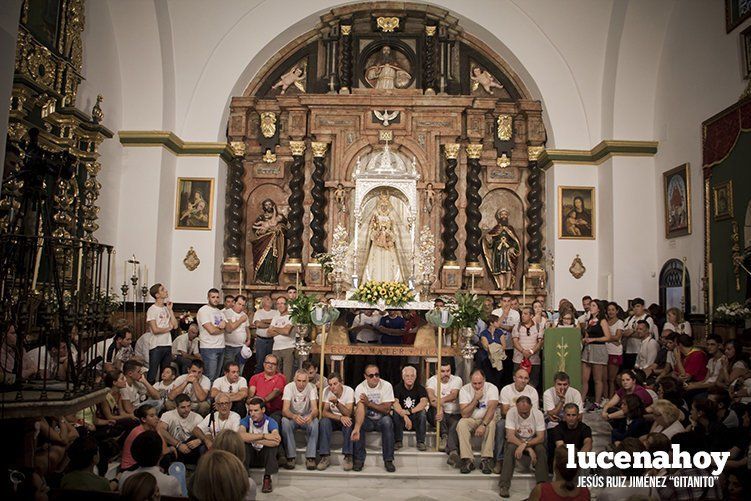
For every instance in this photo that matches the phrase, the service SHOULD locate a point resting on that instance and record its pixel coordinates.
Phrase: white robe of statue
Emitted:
(382, 259)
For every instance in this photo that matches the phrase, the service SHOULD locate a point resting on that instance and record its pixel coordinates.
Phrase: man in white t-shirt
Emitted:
(264, 344)
(448, 414)
(213, 424)
(525, 433)
(195, 385)
(138, 391)
(584, 317)
(284, 338)
(557, 396)
(179, 424)
(161, 320)
(478, 402)
(338, 408)
(365, 326)
(300, 411)
(648, 346)
(234, 385)
(211, 324)
(142, 349)
(509, 395)
(237, 331)
(510, 318)
(185, 348)
(373, 400)
(632, 343)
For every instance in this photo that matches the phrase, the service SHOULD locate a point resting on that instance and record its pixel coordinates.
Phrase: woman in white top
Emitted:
(540, 317)
(676, 323)
(615, 348)
(667, 419)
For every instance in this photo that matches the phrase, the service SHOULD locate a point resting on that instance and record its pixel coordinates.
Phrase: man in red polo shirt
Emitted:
(269, 385)
(690, 362)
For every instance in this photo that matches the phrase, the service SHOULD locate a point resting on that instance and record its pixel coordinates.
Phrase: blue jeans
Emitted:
(326, 427)
(500, 439)
(419, 426)
(231, 354)
(159, 358)
(264, 346)
(311, 433)
(212, 362)
(386, 426)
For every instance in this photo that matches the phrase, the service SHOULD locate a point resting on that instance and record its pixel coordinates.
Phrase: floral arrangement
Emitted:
(184, 321)
(392, 293)
(731, 313)
(468, 309)
(300, 309)
(326, 261)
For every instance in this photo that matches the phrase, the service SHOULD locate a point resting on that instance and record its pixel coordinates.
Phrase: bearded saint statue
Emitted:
(502, 248)
(268, 243)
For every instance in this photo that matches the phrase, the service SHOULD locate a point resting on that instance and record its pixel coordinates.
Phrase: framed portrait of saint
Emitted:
(677, 195)
(195, 203)
(576, 212)
(723, 201)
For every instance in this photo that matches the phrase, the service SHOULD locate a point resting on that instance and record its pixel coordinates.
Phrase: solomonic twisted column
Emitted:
(295, 201)
(534, 213)
(233, 238)
(472, 226)
(346, 51)
(429, 56)
(318, 208)
(450, 228)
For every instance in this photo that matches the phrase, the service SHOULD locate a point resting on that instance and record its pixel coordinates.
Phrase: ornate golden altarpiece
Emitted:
(405, 84)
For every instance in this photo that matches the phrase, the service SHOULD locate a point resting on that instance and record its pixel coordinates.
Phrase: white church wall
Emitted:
(191, 286)
(605, 217)
(101, 66)
(699, 75)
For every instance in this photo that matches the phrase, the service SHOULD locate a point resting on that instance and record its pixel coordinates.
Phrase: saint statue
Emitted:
(340, 198)
(429, 200)
(268, 243)
(382, 258)
(502, 249)
(386, 72)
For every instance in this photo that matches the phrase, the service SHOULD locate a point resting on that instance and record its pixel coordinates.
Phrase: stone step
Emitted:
(402, 458)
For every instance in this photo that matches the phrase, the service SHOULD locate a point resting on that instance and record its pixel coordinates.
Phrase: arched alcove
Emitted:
(674, 286)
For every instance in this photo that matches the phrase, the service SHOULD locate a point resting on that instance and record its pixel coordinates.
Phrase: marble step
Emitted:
(402, 458)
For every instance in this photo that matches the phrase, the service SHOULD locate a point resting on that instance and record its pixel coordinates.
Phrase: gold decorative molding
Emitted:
(346, 29)
(319, 148)
(173, 143)
(387, 24)
(451, 150)
(297, 148)
(269, 157)
(534, 152)
(238, 148)
(268, 123)
(604, 150)
(430, 31)
(504, 127)
(503, 161)
(474, 150)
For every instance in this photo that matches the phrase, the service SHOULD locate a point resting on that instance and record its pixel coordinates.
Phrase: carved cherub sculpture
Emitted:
(295, 77)
(481, 77)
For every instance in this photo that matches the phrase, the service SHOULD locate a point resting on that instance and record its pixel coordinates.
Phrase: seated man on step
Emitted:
(195, 385)
(525, 432)
(478, 401)
(261, 436)
(448, 415)
(300, 411)
(338, 408)
(374, 398)
(411, 400)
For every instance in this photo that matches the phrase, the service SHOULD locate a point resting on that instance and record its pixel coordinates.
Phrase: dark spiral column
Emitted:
(318, 207)
(450, 228)
(233, 237)
(346, 51)
(534, 213)
(472, 226)
(295, 201)
(429, 55)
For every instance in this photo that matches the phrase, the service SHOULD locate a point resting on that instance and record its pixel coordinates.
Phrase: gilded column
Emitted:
(450, 228)
(318, 207)
(295, 201)
(233, 236)
(534, 208)
(429, 60)
(472, 226)
(346, 62)
(90, 210)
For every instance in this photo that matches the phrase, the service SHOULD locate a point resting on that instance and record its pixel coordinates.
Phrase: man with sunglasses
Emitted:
(269, 385)
(374, 398)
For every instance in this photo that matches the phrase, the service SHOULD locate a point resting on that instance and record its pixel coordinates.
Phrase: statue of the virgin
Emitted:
(382, 255)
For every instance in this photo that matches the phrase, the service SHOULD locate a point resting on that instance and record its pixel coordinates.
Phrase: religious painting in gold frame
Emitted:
(194, 205)
(722, 198)
(677, 195)
(576, 212)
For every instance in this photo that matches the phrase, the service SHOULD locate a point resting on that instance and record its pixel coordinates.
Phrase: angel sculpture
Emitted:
(481, 77)
(295, 77)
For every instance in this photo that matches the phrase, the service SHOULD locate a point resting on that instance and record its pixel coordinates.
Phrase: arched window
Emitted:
(671, 292)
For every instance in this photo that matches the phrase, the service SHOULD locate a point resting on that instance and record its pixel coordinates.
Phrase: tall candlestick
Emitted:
(710, 289)
(146, 279)
(610, 286)
(125, 271)
(113, 256)
(80, 262)
(524, 290)
(240, 285)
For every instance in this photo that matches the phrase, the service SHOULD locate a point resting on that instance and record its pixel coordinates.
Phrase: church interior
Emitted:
(466, 234)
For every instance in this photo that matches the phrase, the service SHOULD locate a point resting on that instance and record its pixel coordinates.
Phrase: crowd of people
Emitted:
(188, 405)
